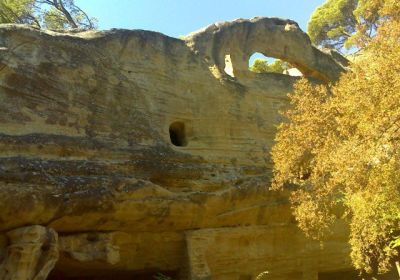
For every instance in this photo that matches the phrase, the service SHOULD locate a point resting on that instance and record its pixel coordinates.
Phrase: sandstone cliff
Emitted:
(124, 153)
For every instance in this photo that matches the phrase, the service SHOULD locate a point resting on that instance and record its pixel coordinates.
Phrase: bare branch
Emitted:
(91, 25)
(61, 8)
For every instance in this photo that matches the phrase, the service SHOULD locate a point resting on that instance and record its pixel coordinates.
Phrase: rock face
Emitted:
(31, 254)
(124, 154)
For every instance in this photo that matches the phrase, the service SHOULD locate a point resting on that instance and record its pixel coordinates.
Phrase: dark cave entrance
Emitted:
(177, 134)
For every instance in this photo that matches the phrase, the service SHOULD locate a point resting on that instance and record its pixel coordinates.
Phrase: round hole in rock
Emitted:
(177, 134)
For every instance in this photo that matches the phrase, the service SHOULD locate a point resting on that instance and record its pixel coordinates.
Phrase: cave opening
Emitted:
(177, 134)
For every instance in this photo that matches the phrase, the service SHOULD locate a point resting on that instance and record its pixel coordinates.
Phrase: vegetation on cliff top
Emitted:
(349, 23)
(51, 14)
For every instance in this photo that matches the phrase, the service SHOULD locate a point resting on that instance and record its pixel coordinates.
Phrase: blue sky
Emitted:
(180, 17)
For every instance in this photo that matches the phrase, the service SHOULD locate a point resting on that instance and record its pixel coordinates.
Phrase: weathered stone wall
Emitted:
(88, 123)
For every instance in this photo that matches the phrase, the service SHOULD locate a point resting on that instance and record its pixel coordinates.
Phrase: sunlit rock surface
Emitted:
(137, 154)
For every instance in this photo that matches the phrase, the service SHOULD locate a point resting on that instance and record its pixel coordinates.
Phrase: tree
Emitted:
(63, 14)
(349, 23)
(333, 23)
(15, 11)
(262, 66)
(51, 14)
(340, 152)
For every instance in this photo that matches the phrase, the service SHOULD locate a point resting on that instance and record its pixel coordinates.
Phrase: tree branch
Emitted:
(91, 25)
(59, 5)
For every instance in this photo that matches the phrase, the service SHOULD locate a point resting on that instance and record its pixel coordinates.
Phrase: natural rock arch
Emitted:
(273, 37)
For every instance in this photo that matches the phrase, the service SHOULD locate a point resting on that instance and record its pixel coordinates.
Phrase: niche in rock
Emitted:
(177, 134)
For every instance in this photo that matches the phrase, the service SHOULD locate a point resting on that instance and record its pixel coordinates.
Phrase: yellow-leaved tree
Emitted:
(340, 151)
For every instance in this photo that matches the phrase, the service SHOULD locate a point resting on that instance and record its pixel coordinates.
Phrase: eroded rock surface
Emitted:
(136, 148)
(31, 254)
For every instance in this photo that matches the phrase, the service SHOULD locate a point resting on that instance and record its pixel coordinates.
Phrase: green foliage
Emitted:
(333, 23)
(64, 14)
(54, 19)
(341, 150)
(259, 66)
(51, 14)
(15, 11)
(349, 23)
(262, 66)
